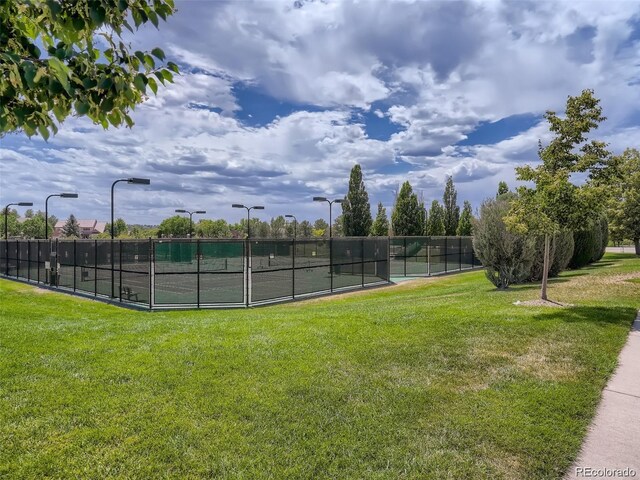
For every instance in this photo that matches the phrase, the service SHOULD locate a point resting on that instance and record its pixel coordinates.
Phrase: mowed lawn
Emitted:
(439, 378)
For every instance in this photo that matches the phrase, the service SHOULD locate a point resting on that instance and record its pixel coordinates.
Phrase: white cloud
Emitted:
(436, 69)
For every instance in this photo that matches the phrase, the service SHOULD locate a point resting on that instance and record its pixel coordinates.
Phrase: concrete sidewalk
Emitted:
(613, 440)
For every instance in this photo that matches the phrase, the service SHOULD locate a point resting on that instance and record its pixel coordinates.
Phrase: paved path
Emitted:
(627, 249)
(613, 440)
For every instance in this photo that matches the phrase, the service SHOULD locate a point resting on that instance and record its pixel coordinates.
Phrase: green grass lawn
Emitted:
(439, 378)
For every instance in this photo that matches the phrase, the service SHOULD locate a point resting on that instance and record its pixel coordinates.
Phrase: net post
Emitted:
(198, 273)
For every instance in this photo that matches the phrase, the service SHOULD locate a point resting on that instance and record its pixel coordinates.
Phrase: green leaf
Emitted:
(153, 17)
(122, 5)
(43, 131)
(61, 72)
(114, 118)
(78, 23)
(29, 74)
(106, 83)
(167, 75)
(97, 14)
(153, 85)
(59, 112)
(173, 66)
(158, 53)
(140, 82)
(149, 62)
(89, 83)
(82, 108)
(128, 120)
(107, 105)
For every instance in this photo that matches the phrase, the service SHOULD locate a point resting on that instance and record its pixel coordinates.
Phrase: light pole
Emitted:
(46, 209)
(330, 202)
(6, 215)
(136, 181)
(295, 224)
(255, 207)
(6, 230)
(180, 210)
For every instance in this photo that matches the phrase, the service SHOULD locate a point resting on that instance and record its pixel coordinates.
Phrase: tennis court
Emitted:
(204, 273)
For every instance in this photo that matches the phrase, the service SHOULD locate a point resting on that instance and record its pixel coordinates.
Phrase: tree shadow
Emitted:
(623, 316)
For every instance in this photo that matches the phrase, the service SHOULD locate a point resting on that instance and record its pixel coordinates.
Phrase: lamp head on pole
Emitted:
(258, 207)
(200, 211)
(25, 204)
(179, 210)
(320, 199)
(338, 200)
(139, 181)
(238, 205)
(69, 195)
(289, 216)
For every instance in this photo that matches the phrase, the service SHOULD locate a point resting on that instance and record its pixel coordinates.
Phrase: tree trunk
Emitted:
(637, 242)
(545, 268)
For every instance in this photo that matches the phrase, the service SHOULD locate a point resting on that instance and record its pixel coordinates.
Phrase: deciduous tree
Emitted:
(555, 203)
(59, 58)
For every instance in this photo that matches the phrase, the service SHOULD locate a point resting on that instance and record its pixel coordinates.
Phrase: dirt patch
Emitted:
(541, 303)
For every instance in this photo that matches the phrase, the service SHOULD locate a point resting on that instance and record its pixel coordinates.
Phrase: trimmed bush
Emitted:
(603, 226)
(560, 253)
(585, 246)
(506, 256)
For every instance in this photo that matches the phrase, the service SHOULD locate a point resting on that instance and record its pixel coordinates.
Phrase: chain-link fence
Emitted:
(201, 273)
(424, 256)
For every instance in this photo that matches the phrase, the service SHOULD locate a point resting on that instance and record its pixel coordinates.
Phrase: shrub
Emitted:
(602, 225)
(563, 252)
(560, 253)
(584, 247)
(506, 256)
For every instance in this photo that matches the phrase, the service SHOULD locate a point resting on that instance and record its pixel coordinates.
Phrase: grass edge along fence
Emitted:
(210, 273)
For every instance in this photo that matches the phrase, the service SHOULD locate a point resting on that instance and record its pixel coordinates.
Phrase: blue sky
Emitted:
(277, 100)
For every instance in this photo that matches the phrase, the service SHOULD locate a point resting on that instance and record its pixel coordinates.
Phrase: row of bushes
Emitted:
(510, 258)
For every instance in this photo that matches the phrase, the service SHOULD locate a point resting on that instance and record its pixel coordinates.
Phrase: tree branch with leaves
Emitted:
(85, 67)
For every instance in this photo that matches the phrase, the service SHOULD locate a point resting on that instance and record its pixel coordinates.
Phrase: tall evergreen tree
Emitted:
(71, 228)
(465, 225)
(502, 189)
(380, 227)
(407, 214)
(356, 210)
(451, 208)
(435, 222)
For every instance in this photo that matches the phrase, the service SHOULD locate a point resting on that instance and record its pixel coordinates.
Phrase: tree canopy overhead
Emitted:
(59, 58)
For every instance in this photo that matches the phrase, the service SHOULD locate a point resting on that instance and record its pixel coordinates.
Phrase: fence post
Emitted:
(331, 263)
(28, 260)
(446, 256)
(429, 258)
(17, 258)
(198, 273)
(151, 274)
(404, 256)
(293, 269)
(247, 249)
(38, 262)
(74, 265)
(362, 260)
(460, 253)
(120, 268)
(95, 268)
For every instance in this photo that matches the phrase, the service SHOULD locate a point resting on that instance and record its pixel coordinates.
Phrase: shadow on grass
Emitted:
(623, 316)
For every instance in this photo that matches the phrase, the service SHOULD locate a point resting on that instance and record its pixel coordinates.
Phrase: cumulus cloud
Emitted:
(434, 70)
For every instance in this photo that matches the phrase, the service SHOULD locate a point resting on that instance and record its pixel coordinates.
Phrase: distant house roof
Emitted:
(95, 225)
